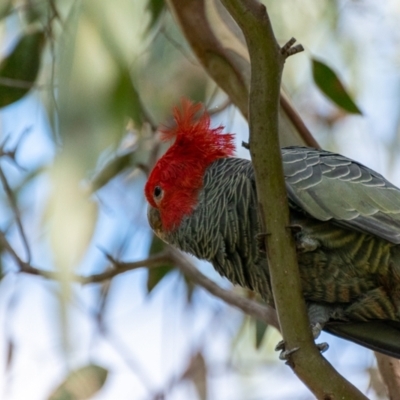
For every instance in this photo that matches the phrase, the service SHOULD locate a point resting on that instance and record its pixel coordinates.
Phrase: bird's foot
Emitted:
(285, 354)
(304, 243)
(322, 347)
(316, 329)
(295, 228)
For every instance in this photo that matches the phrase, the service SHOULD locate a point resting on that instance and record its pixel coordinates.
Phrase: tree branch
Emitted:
(219, 46)
(170, 255)
(248, 306)
(17, 214)
(267, 60)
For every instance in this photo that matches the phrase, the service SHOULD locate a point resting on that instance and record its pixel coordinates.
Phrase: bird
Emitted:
(203, 200)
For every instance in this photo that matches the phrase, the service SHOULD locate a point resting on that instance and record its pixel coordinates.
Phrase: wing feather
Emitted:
(329, 186)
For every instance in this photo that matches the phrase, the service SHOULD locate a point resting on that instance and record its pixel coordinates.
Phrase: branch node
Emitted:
(294, 50)
(288, 50)
(288, 45)
(112, 260)
(246, 145)
(260, 237)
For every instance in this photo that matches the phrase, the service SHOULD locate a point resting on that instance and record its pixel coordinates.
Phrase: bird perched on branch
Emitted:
(203, 201)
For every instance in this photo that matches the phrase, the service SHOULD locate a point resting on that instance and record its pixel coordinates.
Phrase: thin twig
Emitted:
(121, 267)
(17, 214)
(296, 120)
(248, 306)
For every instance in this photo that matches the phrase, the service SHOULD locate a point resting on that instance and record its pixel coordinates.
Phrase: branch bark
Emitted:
(267, 60)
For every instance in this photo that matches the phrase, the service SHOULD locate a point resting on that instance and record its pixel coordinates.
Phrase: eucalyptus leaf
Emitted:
(261, 328)
(81, 384)
(19, 70)
(190, 287)
(125, 100)
(329, 83)
(156, 275)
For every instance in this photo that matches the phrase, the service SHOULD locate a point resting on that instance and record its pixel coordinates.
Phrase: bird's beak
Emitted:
(154, 217)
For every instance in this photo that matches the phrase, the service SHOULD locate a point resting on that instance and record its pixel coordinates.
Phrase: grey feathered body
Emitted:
(348, 241)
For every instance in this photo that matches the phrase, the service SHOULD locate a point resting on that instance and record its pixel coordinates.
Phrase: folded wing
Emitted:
(329, 186)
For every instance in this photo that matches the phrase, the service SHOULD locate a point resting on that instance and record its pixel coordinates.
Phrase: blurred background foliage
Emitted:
(83, 87)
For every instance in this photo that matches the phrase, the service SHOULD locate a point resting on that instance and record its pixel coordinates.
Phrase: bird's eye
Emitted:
(158, 193)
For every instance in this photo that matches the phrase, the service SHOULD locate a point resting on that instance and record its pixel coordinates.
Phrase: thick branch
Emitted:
(267, 60)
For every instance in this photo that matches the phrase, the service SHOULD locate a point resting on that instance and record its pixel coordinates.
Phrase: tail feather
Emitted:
(377, 335)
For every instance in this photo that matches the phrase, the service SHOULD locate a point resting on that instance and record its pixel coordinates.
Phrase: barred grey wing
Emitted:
(329, 186)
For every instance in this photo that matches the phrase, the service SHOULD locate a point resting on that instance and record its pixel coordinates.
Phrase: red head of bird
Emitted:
(175, 181)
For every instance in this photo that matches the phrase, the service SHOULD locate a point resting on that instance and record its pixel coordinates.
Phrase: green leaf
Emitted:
(261, 328)
(20, 69)
(125, 100)
(156, 8)
(81, 384)
(157, 245)
(332, 87)
(190, 288)
(156, 275)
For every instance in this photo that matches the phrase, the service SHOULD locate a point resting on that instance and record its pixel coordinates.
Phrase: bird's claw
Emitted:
(295, 228)
(285, 354)
(305, 244)
(280, 345)
(322, 347)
